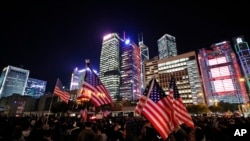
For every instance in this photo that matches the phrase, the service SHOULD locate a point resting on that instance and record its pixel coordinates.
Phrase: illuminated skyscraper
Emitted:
(167, 46)
(185, 69)
(13, 80)
(243, 52)
(77, 78)
(221, 74)
(110, 63)
(144, 57)
(130, 88)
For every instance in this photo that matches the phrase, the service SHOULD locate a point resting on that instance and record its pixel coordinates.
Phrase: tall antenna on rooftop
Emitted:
(124, 36)
(142, 37)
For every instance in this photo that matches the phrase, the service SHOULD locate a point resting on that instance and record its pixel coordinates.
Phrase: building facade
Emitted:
(185, 69)
(221, 74)
(144, 57)
(243, 54)
(110, 64)
(13, 80)
(130, 88)
(166, 46)
(150, 70)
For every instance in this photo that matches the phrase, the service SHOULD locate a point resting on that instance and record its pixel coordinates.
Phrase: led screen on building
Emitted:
(35, 87)
(221, 75)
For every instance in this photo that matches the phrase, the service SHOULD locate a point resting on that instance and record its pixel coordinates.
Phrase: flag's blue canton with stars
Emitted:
(59, 85)
(92, 79)
(145, 93)
(157, 93)
(172, 85)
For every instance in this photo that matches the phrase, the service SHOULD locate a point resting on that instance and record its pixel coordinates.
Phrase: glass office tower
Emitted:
(110, 63)
(77, 78)
(13, 80)
(185, 69)
(130, 88)
(144, 57)
(167, 46)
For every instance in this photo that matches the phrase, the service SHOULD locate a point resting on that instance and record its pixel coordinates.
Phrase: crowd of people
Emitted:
(44, 128)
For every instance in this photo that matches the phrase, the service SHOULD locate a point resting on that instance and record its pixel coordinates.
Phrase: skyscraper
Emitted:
(13, 80)
(76, 79)
(144, 54)
(185, 69)
(110, 63)
(221, 74)
(130, 88)
(166, 46)
(243, 52)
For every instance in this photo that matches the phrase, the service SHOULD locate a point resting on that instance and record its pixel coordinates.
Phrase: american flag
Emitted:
(59, 91)
(153, 105)
(93, 89)
(181, 114)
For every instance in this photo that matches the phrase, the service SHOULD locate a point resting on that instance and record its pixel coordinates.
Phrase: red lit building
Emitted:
(221, 75)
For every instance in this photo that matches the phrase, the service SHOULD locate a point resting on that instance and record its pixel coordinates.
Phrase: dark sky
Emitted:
(52, 38)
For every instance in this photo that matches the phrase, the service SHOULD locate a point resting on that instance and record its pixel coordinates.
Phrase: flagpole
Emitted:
(80, 87)
(50, 107)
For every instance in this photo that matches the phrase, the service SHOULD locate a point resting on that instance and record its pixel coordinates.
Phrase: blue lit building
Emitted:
(130, 88)
(35, 88)
(13, 80)
(77, 78)
(243, 52)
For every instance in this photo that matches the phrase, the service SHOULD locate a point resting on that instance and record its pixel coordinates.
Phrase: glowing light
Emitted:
(239, 40)
(107, 36)
(127, 41)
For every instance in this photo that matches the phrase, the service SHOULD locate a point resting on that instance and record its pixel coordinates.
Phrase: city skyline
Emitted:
(52, 39)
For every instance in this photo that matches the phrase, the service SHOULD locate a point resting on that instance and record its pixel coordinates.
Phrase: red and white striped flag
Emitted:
(93, 89)
(153, 105)
(179, 110)
(59, 91)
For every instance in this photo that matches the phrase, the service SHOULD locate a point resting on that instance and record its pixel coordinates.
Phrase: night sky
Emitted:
(52, 38)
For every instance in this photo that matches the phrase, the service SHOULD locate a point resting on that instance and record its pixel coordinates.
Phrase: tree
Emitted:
(197, 109)
(215, 108)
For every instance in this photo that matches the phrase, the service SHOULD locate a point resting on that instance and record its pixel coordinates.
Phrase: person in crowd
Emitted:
(117, 133)
(87, 134)
(148, 133)
(130, 131)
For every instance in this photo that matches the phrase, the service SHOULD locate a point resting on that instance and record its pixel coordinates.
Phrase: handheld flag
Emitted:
(93, 89)
(180, 111)
(153, 105)
(59, 91)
